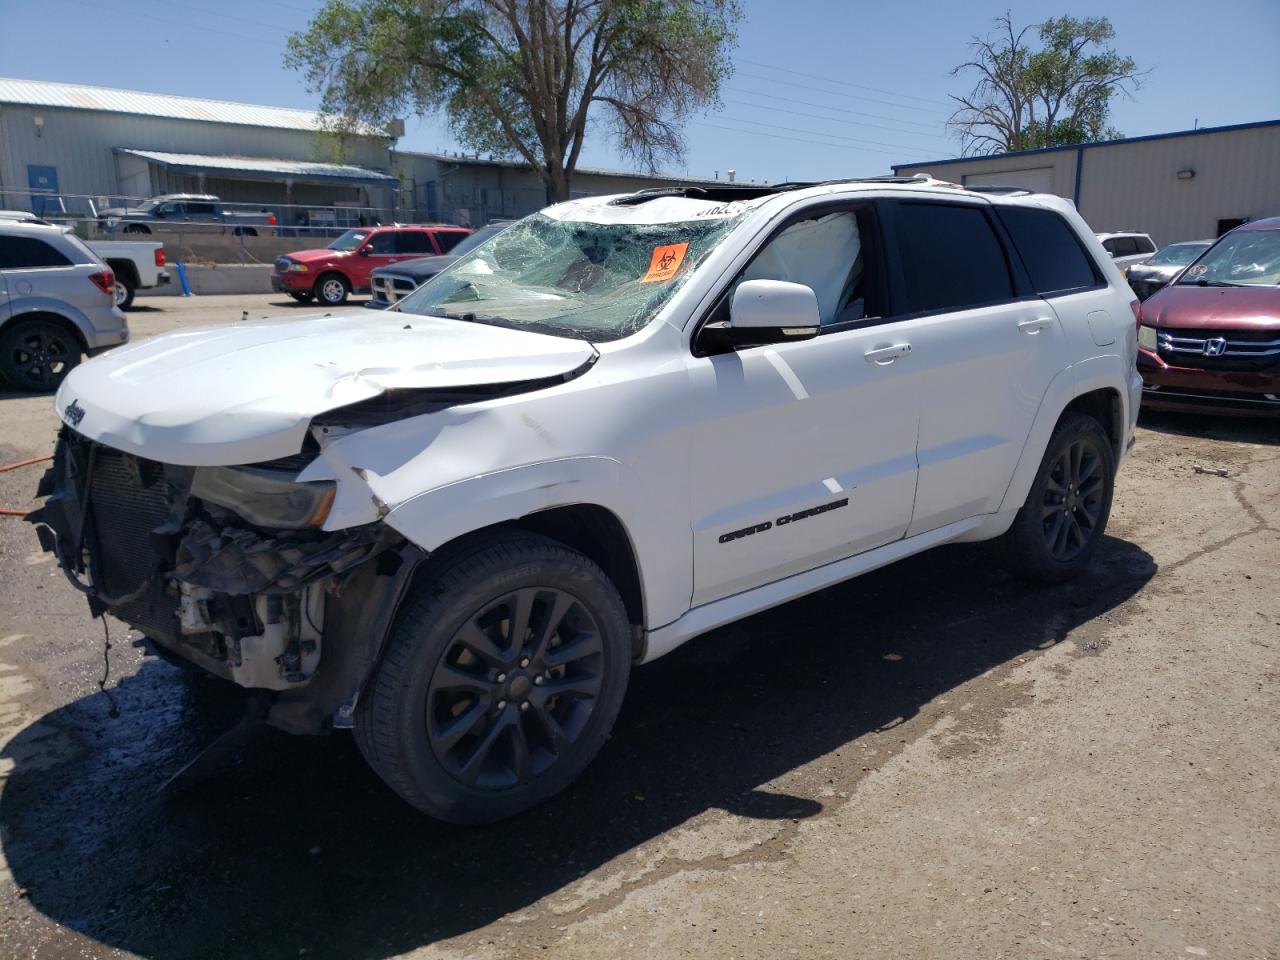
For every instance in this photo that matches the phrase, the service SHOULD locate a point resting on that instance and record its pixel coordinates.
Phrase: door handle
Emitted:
(1036, 325)
(887, 354)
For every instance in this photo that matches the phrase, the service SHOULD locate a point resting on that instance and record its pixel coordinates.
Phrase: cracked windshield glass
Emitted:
(594, 281)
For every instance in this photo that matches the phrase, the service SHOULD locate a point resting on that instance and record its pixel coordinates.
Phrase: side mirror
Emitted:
(765, 311)
(364, 252)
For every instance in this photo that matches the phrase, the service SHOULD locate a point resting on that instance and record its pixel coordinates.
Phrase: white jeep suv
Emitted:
(622, 422)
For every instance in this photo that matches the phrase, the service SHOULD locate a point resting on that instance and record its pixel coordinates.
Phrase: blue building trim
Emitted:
(1101, 143)
(1075, 194)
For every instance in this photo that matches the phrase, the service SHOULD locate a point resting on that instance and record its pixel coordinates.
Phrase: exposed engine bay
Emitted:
(146, 542)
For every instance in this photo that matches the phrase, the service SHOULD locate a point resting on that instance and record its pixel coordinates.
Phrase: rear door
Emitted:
(1063, 273)
(984, 350)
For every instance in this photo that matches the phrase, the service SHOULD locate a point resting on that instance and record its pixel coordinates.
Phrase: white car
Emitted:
(1127, 248)
(458, 524)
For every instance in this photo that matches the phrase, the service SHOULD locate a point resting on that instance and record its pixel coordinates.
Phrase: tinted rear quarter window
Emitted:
(25, 253)
(950, 257)
(1050, 250)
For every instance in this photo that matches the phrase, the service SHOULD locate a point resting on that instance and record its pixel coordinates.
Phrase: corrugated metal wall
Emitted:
(1134, 185)
(79, 144)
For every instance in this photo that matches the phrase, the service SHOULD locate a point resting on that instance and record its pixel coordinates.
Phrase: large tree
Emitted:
(1057, 93)
(524, 77)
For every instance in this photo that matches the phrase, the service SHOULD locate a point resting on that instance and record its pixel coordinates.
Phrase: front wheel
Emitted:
(331, 290)
(501, 680)
(1061, 524)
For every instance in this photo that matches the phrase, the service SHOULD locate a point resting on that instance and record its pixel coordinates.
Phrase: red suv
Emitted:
(1211, 339)
(330, 273)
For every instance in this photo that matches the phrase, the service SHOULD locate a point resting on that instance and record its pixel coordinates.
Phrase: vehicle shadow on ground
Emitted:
(1208, 426)
(301, 847)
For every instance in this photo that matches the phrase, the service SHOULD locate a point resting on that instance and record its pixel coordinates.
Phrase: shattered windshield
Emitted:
(595, 281)
(349, 240)
(1178, 254)
(1245, 258)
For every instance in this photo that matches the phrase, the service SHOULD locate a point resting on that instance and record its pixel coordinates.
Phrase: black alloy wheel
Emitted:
(500, 679)
(36, 355)
(1072, 504)
(1061, 523)
(515, 688)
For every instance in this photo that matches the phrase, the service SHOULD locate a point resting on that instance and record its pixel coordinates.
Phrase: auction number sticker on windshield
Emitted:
(665, 262)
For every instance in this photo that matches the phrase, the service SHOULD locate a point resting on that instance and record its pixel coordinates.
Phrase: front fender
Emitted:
(434, 518)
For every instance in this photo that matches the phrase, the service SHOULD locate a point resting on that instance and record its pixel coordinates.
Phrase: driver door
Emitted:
(803, 453)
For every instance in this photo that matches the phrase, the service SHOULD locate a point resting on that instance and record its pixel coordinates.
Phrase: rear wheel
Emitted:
(1062, 522)
(124, 291)
(500, 682)
(37, 354)
(331, 290)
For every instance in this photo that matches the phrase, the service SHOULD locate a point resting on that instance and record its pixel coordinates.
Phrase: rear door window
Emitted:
(1144, 244)
(1050, 250)
(27, 253)
(448, 239)
(950, 258)
(414, 241)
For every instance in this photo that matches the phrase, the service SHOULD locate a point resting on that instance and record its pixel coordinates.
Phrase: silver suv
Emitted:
(57, 303)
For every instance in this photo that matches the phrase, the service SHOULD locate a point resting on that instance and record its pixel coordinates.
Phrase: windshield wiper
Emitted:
(1218, 283)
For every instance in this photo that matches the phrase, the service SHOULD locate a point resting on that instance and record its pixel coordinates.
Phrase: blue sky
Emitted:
(823, 88)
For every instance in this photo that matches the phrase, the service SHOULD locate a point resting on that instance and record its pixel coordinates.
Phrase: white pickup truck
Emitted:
(138, 265)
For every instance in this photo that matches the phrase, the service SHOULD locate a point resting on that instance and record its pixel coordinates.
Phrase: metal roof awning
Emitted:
(263, 168)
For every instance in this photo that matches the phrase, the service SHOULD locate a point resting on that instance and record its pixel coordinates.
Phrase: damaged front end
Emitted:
(227, 568)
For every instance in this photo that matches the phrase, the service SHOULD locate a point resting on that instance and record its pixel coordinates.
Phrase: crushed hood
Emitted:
(247, 392)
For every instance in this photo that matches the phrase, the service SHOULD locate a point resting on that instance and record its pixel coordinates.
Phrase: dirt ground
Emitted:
(935, 760)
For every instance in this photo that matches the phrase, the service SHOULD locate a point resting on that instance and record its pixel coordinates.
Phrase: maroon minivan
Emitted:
(1211, 339)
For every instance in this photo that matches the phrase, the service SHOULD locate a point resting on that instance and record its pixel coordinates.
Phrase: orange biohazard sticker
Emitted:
(665, 262)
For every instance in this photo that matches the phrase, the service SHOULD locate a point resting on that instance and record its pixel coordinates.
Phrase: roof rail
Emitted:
(999, 190)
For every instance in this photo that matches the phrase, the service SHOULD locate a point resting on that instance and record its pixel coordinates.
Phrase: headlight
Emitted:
(295, 267)
(265, 498)
(1147, 338)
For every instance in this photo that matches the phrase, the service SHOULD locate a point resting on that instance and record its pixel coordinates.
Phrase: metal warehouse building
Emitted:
(72, 141)
(1175, 186)
(65, 145)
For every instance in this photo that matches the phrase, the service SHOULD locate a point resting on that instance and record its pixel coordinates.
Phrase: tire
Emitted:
(137, 228)
(306, 297)
(529, 715)
(125, 290)
(1058, 529)
(37, 354)
(331, 289)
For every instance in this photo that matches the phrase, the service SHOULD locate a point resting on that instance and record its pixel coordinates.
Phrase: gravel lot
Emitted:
(935, 760)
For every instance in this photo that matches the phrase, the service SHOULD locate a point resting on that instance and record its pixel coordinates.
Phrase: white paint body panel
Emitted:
(940, 444)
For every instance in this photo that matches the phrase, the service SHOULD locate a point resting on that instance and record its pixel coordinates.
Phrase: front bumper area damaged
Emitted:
(300, 612)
